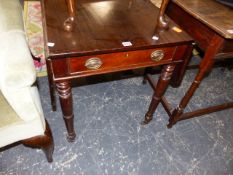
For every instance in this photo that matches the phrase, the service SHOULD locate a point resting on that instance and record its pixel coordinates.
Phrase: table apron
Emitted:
(75, 67)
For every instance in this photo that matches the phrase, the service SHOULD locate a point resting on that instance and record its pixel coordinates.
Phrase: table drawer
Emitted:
(113, 62)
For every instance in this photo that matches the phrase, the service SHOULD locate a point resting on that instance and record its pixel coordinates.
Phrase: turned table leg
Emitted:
(205, 66)
(160, 89)
(65, 96)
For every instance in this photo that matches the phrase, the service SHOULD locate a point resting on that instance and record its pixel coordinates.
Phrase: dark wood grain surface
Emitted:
(102, 26)
(213, 14)
(199, 29)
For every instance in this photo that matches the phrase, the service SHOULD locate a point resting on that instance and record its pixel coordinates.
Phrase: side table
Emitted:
(211, 26)
(109, 36)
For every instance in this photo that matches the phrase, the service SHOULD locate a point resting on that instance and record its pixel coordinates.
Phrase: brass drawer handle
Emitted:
(157, 55)
(93, 63)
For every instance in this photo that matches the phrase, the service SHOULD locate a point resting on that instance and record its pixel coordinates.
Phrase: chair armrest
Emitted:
(11, 16)
(16, 64)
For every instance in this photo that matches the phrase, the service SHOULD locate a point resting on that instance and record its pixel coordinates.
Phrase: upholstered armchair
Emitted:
(21, 115)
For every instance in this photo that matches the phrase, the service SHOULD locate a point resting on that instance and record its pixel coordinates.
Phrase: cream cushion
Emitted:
(17, 75)
(8, 115)
(13, 128)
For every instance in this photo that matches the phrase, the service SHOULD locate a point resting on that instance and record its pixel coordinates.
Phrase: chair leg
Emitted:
(44, 142)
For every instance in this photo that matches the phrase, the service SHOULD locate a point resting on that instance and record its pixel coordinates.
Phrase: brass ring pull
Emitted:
(93, 63)
(157, 55)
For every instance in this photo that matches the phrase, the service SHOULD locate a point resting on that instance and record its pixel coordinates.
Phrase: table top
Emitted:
(212, 13)
(105, 27)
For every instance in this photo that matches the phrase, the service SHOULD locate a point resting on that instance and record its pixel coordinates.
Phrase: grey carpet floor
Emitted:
(110, 139)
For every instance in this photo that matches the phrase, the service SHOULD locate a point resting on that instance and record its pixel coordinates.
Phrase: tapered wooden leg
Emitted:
(162, 23)
(180, 69)
(51, 85)
(159, 91)
(69, 22)
(65, 96)
(176, 114)
(44, 142)
(205, 66)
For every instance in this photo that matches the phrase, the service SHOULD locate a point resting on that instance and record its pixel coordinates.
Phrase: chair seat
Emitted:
(7, 116)
(13, 127)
